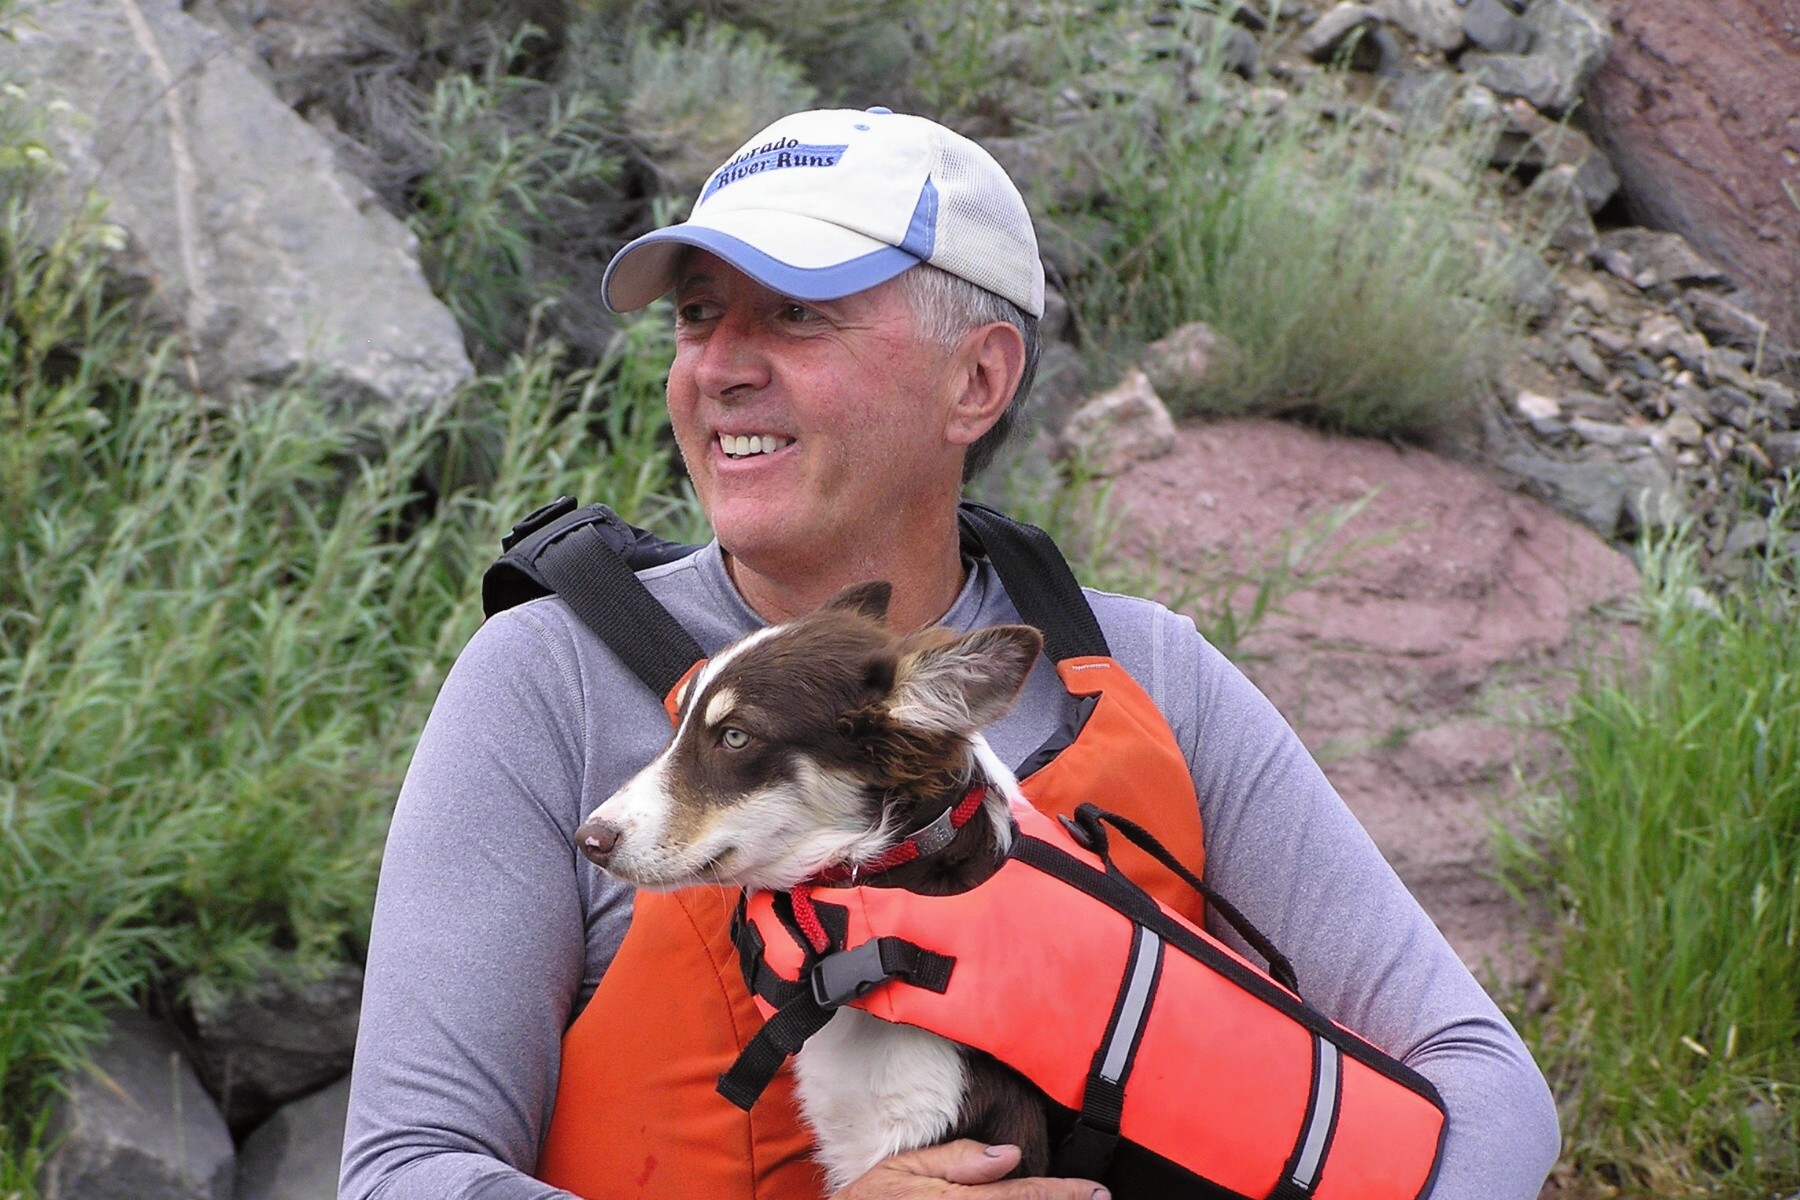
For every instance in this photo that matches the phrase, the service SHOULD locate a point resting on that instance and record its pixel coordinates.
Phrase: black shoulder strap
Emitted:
(589, 557)
(1038, 579)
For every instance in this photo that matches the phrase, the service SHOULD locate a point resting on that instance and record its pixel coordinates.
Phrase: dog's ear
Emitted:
(959, 684)
(869, 599)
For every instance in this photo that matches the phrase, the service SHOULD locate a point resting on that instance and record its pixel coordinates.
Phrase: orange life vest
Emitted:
(1176, 1068)
(638, 1111)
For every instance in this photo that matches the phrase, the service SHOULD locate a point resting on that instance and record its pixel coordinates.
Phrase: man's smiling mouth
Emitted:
(748, 446)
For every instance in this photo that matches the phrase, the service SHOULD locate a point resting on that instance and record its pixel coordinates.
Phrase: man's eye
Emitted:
(794, 312)
(690, 312)
(734, 739)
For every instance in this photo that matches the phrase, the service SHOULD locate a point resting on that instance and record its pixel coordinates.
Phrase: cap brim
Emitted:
(794, 255)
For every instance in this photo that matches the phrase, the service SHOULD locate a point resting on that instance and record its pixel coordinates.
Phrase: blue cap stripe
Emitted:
(921, 231)
(802, 283)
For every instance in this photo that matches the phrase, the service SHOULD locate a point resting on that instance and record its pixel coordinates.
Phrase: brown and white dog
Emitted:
(821, 744)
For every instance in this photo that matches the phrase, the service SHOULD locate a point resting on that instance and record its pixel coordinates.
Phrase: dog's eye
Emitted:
(734, 739)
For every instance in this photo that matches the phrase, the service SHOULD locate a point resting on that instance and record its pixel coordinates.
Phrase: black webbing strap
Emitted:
(1089, 816)
(601, 587)
(828, 983)
(1087, 1151)
(1037, 578)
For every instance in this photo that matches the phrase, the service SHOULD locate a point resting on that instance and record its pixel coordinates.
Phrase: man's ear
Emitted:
(869, 599)
(990, 364)
(959, 684)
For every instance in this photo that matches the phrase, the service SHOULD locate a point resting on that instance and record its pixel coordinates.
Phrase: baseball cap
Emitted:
(827, 203)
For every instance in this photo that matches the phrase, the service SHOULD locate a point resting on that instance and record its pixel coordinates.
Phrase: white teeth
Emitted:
(742, 446)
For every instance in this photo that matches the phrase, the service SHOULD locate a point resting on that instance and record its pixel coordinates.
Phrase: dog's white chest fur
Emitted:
(870, 1088)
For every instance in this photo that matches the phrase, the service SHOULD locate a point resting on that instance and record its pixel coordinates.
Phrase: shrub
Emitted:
(1334, 254)
(520, 183)
(1673, 856)
(221, 627)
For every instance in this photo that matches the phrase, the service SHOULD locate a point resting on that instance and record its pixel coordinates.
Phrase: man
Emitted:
(856, 302)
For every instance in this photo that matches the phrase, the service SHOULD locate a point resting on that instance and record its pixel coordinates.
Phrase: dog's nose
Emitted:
(597, 840)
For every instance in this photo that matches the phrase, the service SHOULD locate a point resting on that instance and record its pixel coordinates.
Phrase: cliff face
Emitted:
(1698, 107)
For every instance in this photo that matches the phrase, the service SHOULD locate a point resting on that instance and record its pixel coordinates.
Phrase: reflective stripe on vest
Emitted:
(1231, 1086)
(637, 1112)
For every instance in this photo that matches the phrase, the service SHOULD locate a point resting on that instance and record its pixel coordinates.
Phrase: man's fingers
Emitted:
(962, 1161)
(972, 1164)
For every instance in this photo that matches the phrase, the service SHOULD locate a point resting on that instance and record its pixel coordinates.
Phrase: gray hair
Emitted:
(946, 307)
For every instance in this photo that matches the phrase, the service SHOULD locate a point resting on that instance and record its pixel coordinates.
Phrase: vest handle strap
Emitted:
(828, 982)
(1087, 829)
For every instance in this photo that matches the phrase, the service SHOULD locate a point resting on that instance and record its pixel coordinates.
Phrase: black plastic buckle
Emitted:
(538, 518)
(849, 974)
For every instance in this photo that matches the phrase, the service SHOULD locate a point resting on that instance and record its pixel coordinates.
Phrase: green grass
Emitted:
(1673, 859)
(1336, 255)
(221, 627)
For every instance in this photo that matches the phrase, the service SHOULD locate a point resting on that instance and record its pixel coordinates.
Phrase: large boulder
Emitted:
(273, 263)
(1568, 42)
(1698, 107)
(294, 1155)
(259, 1046)
(135, 1125)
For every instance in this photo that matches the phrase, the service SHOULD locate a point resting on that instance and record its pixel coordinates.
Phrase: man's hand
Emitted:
(965, 1170)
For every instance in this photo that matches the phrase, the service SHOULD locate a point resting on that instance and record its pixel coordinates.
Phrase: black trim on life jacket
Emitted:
(589, 556)
(828, 981)
(1087, 829)
(1117, 892)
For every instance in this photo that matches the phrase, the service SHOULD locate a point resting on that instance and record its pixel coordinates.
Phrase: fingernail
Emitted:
(996, 1151)
(1101, 1194)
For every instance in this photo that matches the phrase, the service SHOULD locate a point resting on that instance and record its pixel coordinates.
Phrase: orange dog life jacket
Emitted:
(1176, 1069)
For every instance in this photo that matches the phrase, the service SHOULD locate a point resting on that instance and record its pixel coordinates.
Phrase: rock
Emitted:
(1783, 450)
(1569, 41)
(1061, 382)
(136, 1125)
(1582, 356)
(1050, 168)
(1654, 499)
(1183, 363)
(1683, 430)
(274, 264)
(1606, 433)
(1646, 258)
(1119, 427)
(1437, 23)
(1697, 108)
(1442, 584)
(1536, 407)
(1725, 322)
(1662, 334)
(1590, 488)
(1054, 325)
(1556, 206)
(1527, 284)
(263, 1045)
(1325, 37)
(294, 1155)
(1533, 141)
(1492, 27)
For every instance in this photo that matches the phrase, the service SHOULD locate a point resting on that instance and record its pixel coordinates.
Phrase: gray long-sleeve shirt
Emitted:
(491, 930)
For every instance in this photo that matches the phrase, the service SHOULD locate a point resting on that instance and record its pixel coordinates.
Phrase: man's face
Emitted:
(845, 408)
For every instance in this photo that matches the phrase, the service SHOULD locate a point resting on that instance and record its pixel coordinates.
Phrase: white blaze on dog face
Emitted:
(788, 740)
(758, 786)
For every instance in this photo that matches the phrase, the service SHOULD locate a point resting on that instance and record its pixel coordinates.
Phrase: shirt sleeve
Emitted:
(1283, 847)
(479, 935)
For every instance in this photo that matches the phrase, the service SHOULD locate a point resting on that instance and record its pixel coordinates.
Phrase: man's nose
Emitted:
(733, 360)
